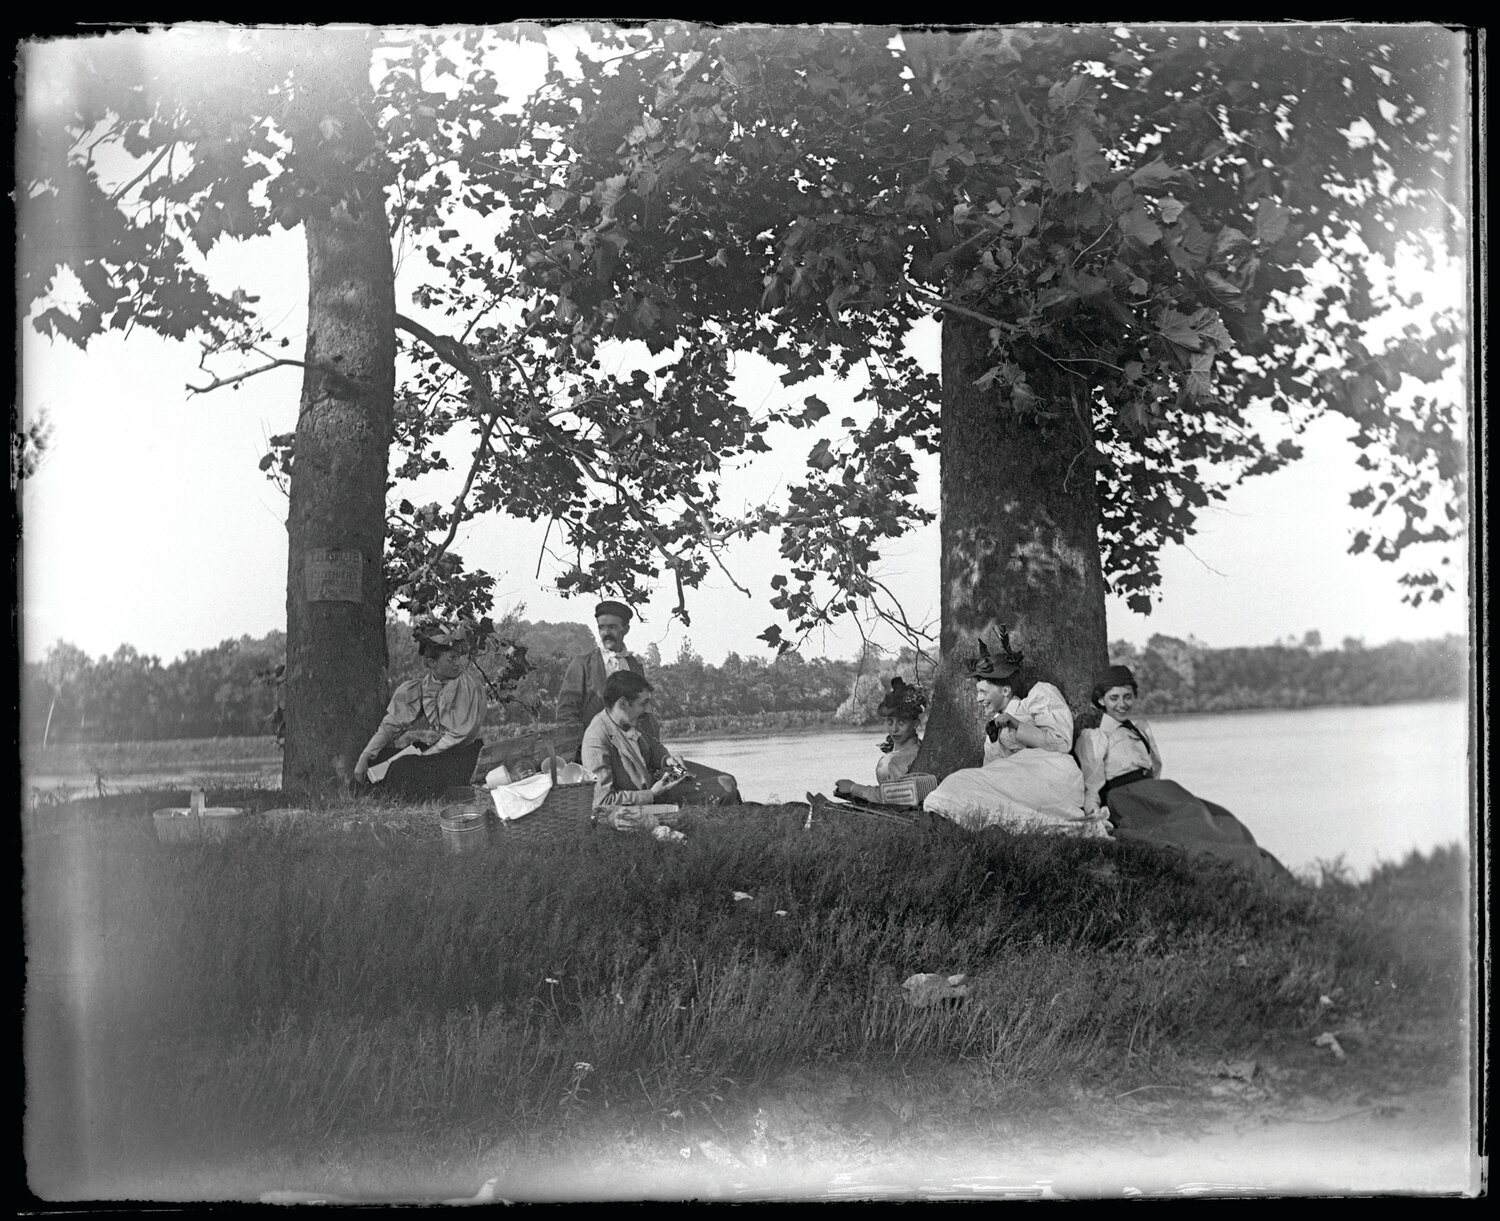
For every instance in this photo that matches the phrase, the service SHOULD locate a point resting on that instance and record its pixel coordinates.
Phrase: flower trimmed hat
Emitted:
(904, 700)
(434, 636)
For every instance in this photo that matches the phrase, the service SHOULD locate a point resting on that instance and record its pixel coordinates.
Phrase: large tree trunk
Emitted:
(1019, 530)
(335, 599)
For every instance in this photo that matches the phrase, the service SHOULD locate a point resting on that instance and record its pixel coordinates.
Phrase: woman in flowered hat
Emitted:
(446, 701)
(902, 708)
(1122, 781)
(1029, 780)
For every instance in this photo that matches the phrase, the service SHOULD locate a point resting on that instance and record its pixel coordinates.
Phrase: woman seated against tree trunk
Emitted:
(1029, 781)
(1122, 780)
(902, 709)
(447, 703)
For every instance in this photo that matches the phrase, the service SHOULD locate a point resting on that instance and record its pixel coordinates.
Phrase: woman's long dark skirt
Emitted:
(424, 777)
(705, 786)
(1162, 812)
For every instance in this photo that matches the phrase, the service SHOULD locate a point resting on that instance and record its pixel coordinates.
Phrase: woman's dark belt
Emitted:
(1120, 781)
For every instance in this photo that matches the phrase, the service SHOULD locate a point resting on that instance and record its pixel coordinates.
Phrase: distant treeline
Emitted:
(230, 689)
(1188, 676)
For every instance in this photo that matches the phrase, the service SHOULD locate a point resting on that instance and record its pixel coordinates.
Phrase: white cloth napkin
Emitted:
(521, 798)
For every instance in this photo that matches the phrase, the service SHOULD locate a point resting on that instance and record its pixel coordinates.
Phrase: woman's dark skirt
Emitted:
(1164, 813)
(425, 777)
(705, 786)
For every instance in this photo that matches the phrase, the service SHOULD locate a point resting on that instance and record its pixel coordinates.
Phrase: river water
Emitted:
(1316, 784)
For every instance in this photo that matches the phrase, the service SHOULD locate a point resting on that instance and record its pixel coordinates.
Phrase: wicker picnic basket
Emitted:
(567, 810)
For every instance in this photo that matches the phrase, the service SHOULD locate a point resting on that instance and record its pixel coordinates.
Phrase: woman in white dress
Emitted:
(1029, 781)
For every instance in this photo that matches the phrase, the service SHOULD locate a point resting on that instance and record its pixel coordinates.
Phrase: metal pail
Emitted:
(466, 829)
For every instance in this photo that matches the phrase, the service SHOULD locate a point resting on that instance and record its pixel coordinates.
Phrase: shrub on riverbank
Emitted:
(323, 982)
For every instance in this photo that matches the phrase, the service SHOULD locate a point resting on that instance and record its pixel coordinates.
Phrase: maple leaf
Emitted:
(821, 455)
(1177, 329)
(1138, 225)
(1153, 172)
(815, 409)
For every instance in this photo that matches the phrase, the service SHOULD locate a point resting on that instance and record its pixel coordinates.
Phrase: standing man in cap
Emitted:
(582, 699)
(582, 696)
(447, 700)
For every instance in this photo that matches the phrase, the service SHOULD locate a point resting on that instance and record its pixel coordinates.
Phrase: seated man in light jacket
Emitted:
(631, 769)
(581, 698)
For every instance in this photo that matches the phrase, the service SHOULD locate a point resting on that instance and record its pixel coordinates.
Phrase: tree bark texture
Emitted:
(335, 685)
(1019, 529)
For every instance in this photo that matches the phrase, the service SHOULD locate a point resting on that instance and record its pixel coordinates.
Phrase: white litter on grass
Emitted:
(1236, 1070)
(1328, 1040)
(740, 896)
(927, 988)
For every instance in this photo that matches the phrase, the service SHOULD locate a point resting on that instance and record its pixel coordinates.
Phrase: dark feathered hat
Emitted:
(997, 667)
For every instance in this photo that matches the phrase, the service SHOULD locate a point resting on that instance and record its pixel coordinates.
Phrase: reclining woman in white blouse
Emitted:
(1122, 781)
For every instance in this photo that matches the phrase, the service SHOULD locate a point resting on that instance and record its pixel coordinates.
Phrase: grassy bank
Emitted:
(348, 977)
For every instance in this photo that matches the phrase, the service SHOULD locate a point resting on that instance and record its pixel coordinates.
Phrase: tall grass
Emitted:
(307, 983)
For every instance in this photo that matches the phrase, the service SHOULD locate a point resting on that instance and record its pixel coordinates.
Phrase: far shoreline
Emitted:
(873, 727)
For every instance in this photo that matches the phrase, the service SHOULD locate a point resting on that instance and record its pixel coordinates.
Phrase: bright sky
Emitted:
(150, 524)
